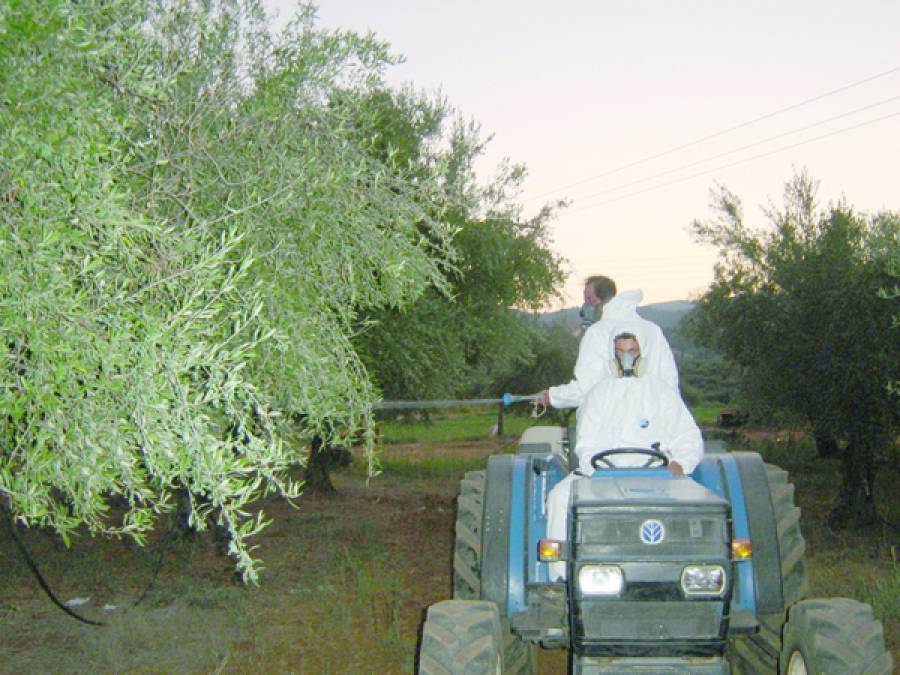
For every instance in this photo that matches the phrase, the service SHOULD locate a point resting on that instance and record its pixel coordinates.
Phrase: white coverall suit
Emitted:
(625, 412)
(596, 355)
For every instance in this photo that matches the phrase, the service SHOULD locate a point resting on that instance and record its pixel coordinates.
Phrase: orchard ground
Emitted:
(347, 576)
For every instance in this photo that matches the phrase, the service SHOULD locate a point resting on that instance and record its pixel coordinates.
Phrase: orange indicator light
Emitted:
(741, 549)
(549, 550)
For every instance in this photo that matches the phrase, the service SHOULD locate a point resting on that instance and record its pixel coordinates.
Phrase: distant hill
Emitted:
(666, 315)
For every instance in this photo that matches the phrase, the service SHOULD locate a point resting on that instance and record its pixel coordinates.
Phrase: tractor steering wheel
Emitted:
(657, 459)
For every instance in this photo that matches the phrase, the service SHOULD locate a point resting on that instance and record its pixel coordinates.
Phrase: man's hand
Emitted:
(675, 468)
(545, 397)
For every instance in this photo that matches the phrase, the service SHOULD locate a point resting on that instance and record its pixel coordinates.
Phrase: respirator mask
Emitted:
(628, 364)
(588, 314)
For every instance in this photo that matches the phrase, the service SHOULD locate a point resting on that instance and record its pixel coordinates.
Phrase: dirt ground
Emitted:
(346, 582)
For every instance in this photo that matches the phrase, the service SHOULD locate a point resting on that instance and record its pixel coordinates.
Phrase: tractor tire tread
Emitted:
(467, 544)
(839, 636)
(460, 636)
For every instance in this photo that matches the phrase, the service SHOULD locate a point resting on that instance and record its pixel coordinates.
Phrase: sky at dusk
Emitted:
(597, 99)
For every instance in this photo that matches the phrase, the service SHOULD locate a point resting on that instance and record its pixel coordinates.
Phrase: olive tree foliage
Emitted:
(448, 346)
(459, 340)
(796, 305)
(336, 231)
(188, 231)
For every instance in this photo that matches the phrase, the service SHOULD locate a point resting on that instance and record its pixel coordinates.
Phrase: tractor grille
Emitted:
(617, 536)
(631, 622)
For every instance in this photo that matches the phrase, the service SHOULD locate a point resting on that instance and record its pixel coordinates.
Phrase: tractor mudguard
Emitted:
(742, 479)
(495, 530)
(763, 532)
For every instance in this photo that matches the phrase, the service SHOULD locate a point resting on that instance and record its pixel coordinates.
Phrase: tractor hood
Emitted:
(609, 513)
(642, 490)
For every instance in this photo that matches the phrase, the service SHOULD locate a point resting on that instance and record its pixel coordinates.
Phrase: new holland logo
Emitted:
(652, 532)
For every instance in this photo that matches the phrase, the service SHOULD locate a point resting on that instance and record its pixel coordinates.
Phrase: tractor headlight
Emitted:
(600, 580)
(703, 580)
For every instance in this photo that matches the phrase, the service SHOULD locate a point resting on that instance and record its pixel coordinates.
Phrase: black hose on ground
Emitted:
(40, 578)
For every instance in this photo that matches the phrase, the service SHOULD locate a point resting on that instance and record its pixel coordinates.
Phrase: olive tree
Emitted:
(190, 230)
(796, 305)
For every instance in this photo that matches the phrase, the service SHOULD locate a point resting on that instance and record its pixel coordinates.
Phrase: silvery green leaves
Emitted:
(189, 230)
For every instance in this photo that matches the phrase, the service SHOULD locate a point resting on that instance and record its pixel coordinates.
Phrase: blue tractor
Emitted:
(698, 574)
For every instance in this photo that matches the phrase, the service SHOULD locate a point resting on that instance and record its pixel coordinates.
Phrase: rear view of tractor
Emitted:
(699, 574)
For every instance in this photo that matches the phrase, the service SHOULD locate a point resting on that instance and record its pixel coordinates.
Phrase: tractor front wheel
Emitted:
(461, 636)
(838, 636)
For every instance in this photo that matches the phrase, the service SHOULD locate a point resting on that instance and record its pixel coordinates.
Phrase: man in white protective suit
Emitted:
(595, 355)
(631, 409)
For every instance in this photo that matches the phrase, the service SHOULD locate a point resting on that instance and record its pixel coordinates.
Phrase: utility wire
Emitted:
(728, 166)
(740, 149)
(643, 259)
(716, 134)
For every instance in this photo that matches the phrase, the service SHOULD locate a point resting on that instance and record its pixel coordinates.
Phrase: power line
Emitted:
(668, 263)
(740, 149)
(656, 272)
(717, 134)
(691, 256)
(658, 268)
(728, 166)
(674, 263)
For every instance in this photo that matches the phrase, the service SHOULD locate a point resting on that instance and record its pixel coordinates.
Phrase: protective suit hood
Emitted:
(620, 316)
(623, 307)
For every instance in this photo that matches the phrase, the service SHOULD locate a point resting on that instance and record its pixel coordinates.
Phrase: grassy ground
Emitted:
(347, 576)
(706, 415)
(465, 424)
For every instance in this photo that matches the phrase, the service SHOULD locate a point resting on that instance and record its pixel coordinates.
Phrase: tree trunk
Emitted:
(858, 506)
(826, 444)
(317, 474)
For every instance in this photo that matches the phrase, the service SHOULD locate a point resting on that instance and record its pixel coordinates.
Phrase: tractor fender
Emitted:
(740, 477)
(495, 530)
(767, 571)
(504, 532)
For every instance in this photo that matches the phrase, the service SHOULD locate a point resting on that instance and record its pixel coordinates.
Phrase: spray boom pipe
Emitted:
(507, 400)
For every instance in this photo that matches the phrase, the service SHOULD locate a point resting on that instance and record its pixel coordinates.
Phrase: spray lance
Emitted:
(537, 404)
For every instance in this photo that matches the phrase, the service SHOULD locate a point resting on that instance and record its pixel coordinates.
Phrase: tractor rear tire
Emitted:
(758, 654)
(467, 546)
(519, 656)
(461, 636)
(838, 636)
